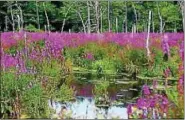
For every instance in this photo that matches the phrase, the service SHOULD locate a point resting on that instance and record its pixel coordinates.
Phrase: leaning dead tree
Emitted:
(47, 19)
(64, 20)
(161, 20)
(148, 36)
(83, 24)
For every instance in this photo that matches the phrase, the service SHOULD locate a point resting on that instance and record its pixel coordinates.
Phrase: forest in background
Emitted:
(91, 16)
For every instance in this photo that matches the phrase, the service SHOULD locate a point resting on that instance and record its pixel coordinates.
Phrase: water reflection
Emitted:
(85, 108)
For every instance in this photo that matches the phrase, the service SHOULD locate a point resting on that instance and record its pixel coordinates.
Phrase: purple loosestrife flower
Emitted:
(182, 51)
(142, 103)
(152, 102)
(155, 84)
(165, 45)
(167, 72)
(89, 56)
(129, 109)
(146, 90)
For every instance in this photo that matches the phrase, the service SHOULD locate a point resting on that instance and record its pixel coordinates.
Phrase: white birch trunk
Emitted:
(6, 23)
(101, 22)
(97, 16)
(18, 22)
(126, 18)
(116, 24)
(148, 36)
(47, 19)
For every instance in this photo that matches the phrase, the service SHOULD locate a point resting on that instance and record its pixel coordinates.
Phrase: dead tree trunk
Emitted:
(108, 14)
(89, 22)
(126, 17)
(63, 24)
(45, 28)
(18, 22)
(101, 22)
(153, 27)
(161, 20)
(97, 16)
(48, 25)
(21, 17)
(148, 36)
(81, 21)
(116, 24)
(135, 25)
(182, 6)
(6, 23)
(13, 22)
(38, 23)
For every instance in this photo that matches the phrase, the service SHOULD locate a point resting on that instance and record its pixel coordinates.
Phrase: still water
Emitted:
(84, 106)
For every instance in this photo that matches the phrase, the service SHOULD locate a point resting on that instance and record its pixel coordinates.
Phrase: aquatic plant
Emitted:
(101, 94)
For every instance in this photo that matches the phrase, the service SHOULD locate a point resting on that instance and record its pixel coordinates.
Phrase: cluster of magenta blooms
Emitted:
(151, 105)
(55, 42)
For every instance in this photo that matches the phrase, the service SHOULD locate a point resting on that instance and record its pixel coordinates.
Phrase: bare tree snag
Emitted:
(97, 15)
(48, 25)
(81, 20)
(38, 23)
(101, 22)
(126, 17)
(18, 22)
(89, 22)
(135, 12)
(20, 17)
(108, 13)
(148, 36)
(6, 23)
(182, 6)
(161, 20)
(63, 24)
(153, 26)
(13, 22)
(116, 24)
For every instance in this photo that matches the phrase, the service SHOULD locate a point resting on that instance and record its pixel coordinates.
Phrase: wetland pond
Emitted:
(121, 91)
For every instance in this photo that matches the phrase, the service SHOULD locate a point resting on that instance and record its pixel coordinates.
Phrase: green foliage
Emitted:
(101, 88)
(176, 109)
(172, 95)
(65, 94)
(13, 86)
(122, 10)
(35, 103)
(51, 69)
(31, 28)
(101, 92)
(8, 87)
